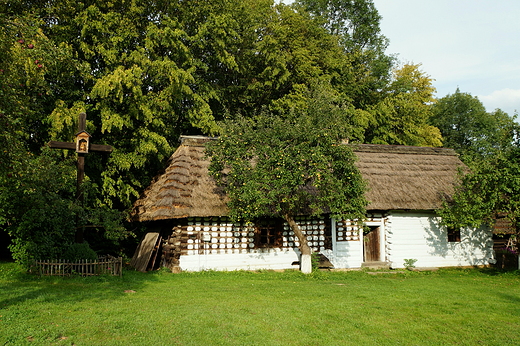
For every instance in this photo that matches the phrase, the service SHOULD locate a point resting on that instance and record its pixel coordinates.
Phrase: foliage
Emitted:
(147, 71)
(39, 211)
(315, 259)
(491, 189)
(26, 56)
(356, 24)
(489, 145)
(470, 130)
(287, 165)
(409, 263)
(402, 116)
(79, 251)
(357, 21)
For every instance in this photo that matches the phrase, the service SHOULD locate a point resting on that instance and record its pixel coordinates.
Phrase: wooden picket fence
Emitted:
(106, 265)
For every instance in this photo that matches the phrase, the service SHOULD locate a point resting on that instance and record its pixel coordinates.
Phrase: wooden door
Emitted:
(371, 245)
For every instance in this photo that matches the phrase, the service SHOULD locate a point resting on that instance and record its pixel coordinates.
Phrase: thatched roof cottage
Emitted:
(186, 212)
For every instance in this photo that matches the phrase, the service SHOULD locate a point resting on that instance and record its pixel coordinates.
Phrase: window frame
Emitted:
(268, 234)
(453, 234)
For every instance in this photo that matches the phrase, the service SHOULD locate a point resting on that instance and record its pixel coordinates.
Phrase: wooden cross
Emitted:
(82, 146)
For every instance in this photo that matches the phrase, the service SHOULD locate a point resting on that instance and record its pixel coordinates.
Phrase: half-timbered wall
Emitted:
(216, 243)
(420, 236)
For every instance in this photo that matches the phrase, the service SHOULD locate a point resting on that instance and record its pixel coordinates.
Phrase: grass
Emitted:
(447, 307)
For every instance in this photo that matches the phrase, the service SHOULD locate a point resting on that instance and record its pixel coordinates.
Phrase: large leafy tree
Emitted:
(356, 23)
(402, 116)
(38, 208)
(33, 205)
(489, 191)
(468, 128)
(147, 71)
(488, 144)
(289, 164)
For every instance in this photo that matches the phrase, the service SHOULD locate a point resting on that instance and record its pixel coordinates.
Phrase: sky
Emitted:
(473, 45)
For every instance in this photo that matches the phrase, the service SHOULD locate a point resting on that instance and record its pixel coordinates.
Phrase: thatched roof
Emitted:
(184, 189)
(399, 178)
(407, 178)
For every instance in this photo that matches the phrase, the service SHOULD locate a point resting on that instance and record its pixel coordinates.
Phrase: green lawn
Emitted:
(447, 307)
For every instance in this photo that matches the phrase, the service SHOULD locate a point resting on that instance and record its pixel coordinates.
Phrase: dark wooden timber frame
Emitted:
(82, 121)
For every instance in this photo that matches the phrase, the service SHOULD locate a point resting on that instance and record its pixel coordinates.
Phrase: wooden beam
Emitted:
(62, 145)
(82, 122)
(101, 148)
(72, 146)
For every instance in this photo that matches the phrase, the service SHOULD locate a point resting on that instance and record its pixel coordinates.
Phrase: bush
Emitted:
(79, 251)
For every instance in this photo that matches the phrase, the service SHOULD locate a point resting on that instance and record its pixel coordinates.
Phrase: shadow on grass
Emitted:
(17, 286)
(491, 271)
(487, 270)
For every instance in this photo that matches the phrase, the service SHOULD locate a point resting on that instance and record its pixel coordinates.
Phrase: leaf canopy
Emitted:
(289, 164)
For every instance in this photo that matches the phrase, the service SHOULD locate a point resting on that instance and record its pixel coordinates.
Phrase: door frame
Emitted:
(377, 223)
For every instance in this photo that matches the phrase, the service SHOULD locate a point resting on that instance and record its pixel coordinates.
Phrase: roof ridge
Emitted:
(201, 140)
(402, 149)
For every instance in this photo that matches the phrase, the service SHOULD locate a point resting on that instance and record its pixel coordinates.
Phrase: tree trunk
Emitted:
(306, 252)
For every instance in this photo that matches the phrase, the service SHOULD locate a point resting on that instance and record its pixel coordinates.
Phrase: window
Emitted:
(453, 234)
(269, 233)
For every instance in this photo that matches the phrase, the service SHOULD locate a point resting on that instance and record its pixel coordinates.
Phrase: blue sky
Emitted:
(470, 44)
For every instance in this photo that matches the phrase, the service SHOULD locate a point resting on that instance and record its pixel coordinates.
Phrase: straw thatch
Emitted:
(407, 178)
(399, 178)
(184, 189)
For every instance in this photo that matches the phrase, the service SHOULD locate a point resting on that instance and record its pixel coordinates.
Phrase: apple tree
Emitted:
(283, 165)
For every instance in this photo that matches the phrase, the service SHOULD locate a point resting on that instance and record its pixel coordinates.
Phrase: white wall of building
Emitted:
(241, 260)
(404, 235)
(419, 236)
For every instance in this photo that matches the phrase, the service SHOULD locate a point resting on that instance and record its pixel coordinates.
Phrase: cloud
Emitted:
(506, 99)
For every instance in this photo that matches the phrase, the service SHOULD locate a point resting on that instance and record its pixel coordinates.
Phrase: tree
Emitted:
(402, 116)
(289, 164)
(470, 130)
(357, 25)
(357, 21)
(490, 190)
(147, 71)
(39, 211)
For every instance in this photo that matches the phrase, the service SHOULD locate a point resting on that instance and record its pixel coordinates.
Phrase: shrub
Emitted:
(79, 251)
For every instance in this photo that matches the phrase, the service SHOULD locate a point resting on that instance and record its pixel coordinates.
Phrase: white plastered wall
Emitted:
(241, 260)
(419, 236)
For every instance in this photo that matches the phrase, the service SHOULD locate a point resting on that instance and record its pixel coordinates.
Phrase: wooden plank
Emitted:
(101, 148)
(144, 251)
(155, 252)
